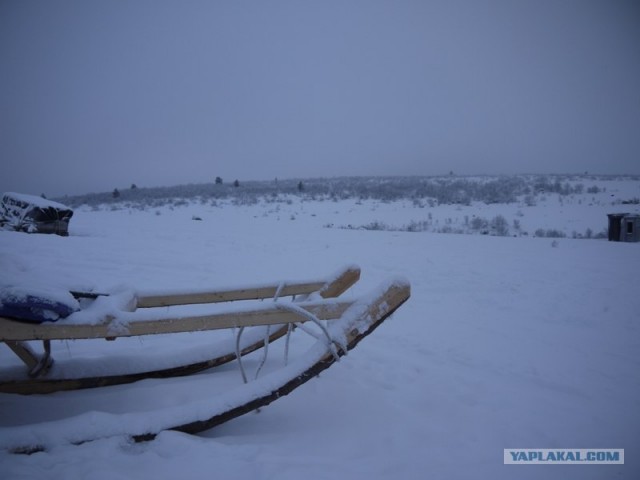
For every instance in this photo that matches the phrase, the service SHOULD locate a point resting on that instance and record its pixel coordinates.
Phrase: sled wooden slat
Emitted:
(25, 353)
(333, 289)
(11, 330)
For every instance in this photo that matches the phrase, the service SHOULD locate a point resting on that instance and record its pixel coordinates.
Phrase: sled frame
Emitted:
(364, 316)
(15, 334)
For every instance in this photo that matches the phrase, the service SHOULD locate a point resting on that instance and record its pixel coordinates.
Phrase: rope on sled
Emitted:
(331, 343)
(266, 342)
(265, 351)
(239, 355)
(286, 344)
(290, 328)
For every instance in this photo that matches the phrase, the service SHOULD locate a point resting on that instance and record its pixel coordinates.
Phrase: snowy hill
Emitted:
(566, 205)
(510, 339)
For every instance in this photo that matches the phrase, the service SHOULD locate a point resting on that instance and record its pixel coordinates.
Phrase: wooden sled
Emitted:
(41, 375)
(197, 402)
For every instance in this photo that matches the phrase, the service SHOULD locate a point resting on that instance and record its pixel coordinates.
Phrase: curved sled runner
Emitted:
(197, 402)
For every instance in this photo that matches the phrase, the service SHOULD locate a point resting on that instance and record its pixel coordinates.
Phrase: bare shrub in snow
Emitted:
(516, 224)
(479, 223)
(376, 225)
(417, 226)
(549, 233)
(500, 226)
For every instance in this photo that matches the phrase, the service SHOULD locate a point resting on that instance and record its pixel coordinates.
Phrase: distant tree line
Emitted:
(432, 191)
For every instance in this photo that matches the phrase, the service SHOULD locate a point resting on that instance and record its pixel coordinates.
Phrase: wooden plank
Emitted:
(25, 353)
(11, 330)
(341, 283)
(327, 289)
(394, 296)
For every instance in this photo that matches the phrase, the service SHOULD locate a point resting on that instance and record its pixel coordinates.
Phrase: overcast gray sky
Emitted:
(102, 94)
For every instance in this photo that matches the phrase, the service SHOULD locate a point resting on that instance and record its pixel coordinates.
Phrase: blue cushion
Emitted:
(34, 309)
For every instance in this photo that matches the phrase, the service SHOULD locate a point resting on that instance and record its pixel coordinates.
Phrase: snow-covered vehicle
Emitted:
(28, 213)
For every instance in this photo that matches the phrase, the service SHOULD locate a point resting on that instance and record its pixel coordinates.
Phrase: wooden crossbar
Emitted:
(25, 353)
(15, 331)
(270, 314)
(114, 328)
(334, 288)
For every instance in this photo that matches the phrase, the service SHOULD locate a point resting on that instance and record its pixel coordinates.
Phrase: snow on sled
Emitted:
(317, 324)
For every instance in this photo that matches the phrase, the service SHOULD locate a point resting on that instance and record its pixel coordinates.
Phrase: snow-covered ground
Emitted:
(506, 342)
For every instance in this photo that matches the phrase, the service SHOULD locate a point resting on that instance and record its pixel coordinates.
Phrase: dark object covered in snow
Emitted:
(28, 213)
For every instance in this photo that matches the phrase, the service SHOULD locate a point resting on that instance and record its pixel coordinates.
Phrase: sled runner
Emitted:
(319, 328)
